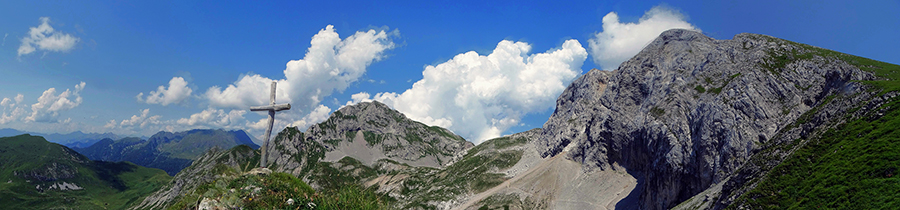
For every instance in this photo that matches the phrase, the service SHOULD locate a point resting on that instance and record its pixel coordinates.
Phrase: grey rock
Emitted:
(386, 133)
(213, 164)
(689, 110)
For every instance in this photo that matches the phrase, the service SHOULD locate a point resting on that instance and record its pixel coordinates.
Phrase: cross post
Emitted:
(272, 108)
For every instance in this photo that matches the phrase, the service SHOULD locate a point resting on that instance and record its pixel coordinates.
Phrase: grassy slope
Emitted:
(273, 190)
(471, 174)
(106, 185)
(854, 166)
(339, 182)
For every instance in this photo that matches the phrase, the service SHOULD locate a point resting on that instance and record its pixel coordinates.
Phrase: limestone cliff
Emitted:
(689, 110)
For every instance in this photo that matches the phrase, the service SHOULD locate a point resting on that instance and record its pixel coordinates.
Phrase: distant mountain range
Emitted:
(165, 150)
(38, 174)
(71, 140)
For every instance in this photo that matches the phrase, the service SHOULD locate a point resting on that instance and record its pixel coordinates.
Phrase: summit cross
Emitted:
(272, 108)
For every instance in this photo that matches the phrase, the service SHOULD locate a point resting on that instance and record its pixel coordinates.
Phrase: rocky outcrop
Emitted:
(63, 166)
(213, 164)
(368, 132)
(575, 108)
(689, 110)
(51, 171)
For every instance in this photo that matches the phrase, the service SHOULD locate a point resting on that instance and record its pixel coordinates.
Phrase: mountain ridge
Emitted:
(166, 150)
(71, 140)
(43, 175)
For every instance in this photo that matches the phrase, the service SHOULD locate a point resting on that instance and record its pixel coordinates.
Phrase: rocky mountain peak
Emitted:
(688, 110)
(368, 132)
(373, 108)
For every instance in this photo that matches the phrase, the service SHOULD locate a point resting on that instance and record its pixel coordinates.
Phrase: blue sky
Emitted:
(454, 51)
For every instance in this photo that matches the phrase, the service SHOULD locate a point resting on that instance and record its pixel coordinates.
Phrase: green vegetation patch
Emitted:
(889, 73)
(853, 166)
(700, 89)
(657, 112)
(347, 171)
(496, 144)
(273, 191)
(340, 115)
(508, 201)
(413, 137)
(473, 172)
(469, 175)
(444, 132)
(373, 138)
(332, 142)
(105, 185)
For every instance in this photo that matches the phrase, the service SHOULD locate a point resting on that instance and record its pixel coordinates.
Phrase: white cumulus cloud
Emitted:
(620, 41)
(142, 123)
(479, 96)
(111, 124)
(50, 104)
(176, 93)
(143, 120)
(11, 116)
(10, 111)
(330, 64)
(357, 98)
(44, 37)
(286, 119)
(319, 114)
(215, 118)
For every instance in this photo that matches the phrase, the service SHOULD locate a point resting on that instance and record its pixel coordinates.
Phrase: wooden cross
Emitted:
(272, 108)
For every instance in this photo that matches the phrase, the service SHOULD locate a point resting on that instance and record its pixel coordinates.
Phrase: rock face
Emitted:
(688, 110)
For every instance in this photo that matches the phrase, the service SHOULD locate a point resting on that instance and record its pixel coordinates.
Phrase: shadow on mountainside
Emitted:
(633, 199)
(109, 172)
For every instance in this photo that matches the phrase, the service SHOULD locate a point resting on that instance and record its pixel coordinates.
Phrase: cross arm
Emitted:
(277, 107)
